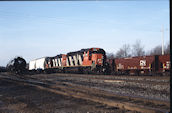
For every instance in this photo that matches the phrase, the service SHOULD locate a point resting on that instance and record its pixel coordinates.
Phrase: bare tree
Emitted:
(119, 53)
(124, 51)
(110, 55)
(156, 50)
(167, 49)
(138, 49)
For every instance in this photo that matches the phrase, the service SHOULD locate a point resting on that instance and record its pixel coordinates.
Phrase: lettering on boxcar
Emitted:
(142, 63)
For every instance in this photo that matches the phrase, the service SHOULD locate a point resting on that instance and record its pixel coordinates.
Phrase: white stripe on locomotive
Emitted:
(53, 62)
(67, 62)
(49, 64)
(80, 60)
(59, 63)
(56, 62)
(71, 61)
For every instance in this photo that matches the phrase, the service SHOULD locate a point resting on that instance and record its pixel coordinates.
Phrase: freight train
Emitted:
(93, 60)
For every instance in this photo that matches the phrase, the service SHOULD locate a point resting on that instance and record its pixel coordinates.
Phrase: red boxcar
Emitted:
(135, 64)
(143, 64)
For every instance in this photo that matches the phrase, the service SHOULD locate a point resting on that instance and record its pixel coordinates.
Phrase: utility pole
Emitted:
(162, 30)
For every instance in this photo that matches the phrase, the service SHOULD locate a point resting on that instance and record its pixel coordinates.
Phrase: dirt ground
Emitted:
(15, 98)
(150, 87)
(79, 93)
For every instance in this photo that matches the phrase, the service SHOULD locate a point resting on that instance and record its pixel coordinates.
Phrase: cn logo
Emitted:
(142, 62)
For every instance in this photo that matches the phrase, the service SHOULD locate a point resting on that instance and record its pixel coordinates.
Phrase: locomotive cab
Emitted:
(98, 56)
(94, 58)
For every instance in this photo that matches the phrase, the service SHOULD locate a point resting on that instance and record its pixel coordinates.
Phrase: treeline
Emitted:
(137, 49)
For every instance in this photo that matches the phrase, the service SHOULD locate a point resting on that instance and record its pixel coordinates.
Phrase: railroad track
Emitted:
(93, 94)
(147, 79)
(151, 88)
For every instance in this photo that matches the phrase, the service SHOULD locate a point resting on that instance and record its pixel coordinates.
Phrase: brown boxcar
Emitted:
(143, 64)
(136, 65)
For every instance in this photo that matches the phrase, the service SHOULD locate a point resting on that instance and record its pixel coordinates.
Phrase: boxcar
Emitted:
(136, 65)
(142, 64)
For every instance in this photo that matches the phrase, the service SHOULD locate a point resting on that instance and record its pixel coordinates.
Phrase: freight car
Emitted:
(91, 60)
(38, 65)
(156, 64)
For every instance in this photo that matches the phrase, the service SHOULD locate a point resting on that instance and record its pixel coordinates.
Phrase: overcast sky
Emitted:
(37, 29)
